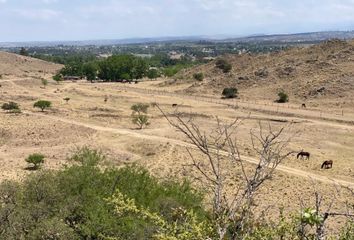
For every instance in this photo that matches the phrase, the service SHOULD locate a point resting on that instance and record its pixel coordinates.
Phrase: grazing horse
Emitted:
(174, 105)
(303, 105)
(303, 154)
(327, 164)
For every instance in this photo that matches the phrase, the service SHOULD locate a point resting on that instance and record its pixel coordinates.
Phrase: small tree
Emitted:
(230, 92)
(57, 78)
(139, 116)
(283, 97)
(140, 108)
(223, 65)
(198, 76)
(42, 104)
(11, 107)
(36, 159)
(23, 52)
(44, 82)
(153, 73)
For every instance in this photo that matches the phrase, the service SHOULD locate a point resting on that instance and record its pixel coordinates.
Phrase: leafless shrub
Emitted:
(232, 211)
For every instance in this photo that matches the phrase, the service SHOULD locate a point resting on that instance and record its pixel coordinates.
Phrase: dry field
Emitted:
(87, 120)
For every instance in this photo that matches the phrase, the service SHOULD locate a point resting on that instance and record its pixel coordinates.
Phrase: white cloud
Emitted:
(37, 14)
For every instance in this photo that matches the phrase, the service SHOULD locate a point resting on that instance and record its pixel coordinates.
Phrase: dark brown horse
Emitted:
(303, 154)
(327, 164)
(303, 105)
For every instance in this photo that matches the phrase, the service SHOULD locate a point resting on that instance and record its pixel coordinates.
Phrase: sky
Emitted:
(51, 20)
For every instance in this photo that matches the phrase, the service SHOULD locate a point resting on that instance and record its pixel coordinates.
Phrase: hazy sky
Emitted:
(28, 20)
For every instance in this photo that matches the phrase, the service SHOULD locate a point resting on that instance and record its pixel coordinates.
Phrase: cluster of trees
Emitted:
(127, 67)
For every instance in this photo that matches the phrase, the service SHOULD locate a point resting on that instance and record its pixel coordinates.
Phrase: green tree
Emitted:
(36, 159)
(42, 104)
(283, 97)
(57, 77)
(139, 114)
(23, 52)
(44, 82)
(90, 71)
(120, 67)
(153, 73)
(230, 92)
(11, 107)
(198, 76)
(224, 65)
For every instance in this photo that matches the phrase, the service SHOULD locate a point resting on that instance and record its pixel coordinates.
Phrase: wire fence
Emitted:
(254, 105)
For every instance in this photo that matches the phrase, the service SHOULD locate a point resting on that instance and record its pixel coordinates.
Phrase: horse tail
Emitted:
(323, 164)
(297, 157)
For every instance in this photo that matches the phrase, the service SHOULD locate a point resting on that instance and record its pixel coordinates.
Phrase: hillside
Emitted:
(323, 71)
(21, 66)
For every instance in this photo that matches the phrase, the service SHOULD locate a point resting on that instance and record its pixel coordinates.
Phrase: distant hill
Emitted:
(312, 37)
(17, 65)
(282, 38)
(322, 71)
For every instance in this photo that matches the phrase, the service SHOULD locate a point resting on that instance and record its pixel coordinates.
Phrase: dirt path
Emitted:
(142, 135)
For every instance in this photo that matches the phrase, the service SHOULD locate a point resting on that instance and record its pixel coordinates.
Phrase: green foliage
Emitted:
(23, 52)
(348, 232)
(139, 116)
(198, 76)
(173, 70)
(36, 159)
(11, 107)
(230, 92)
(74, 203)
(42, 104)
(186, 225)
(88, 157)
(90, 70)
(140, 108)
(141, 120)
(119, 67)
(57, 78)
(224, 65)
(44, 82)
(283, 97)
(153, 73)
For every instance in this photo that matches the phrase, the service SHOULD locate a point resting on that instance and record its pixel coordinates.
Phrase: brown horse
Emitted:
(303, 105)
(327, 164)
(303, 154)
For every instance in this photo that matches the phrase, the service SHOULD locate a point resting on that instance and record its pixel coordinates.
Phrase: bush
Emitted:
(223, 65)
(11, 106)
(140, 108)
(36, 159)
(42, 104)
(58, 77)
(79, 203)
(283, 97)
(198, 76)
(153, 73)
(44, 82)
(230, 92)
(139, 116)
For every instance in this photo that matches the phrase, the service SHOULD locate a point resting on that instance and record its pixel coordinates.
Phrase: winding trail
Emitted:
(142, 135)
